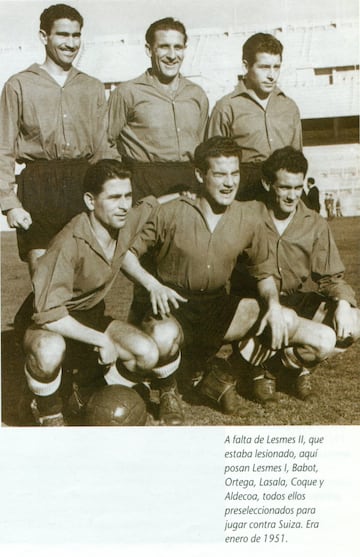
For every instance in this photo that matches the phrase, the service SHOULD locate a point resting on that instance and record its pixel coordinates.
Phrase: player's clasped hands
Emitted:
(19, 218)
(275, 319)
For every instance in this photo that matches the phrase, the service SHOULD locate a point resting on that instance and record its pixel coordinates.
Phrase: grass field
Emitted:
(337, 380)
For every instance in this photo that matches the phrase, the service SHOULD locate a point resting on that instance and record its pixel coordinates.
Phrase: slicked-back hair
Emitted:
(165, 24)
(214, 148)
(102, 171)
(261, 42)
(58, 11)
(288, 159)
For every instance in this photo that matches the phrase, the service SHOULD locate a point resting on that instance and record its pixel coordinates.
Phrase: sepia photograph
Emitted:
(243, 312)
(180, 231)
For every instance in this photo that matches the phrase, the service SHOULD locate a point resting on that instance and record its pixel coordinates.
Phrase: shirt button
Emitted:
(178, 129)
(202, 289)
(65, 115)
(209, 266)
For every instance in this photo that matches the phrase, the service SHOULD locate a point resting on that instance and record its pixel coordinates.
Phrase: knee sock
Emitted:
(254, 351)
(47, 395)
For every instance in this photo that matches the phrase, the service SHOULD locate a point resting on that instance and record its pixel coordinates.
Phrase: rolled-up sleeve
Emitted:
(220, 121)
(328, 269)
(117, 115)
(9, 118)
(257, 256)
(152, 232)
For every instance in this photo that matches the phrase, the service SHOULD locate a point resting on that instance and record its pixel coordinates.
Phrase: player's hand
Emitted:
(19, 218)
(161, 297)
(275, 319)
(108, 353)
(344, 320)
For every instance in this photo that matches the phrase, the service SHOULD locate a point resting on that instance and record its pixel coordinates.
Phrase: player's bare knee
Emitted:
(45, 353)
(168, 337)
(325, 342)
(147, 353)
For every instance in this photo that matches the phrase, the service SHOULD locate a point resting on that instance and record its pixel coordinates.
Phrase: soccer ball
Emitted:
(115, 405)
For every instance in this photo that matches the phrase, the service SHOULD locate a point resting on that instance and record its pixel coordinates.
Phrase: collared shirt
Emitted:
(306, 249)
(74, 273)
(258, 132)
(191, 257)
(148, 124)
(39, 119)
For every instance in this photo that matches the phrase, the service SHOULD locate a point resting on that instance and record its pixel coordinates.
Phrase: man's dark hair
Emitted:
(288, 159)
(106, 169)
(311, 180)
(165, 24)
(58, 11)
(214, 148)
(261, 42)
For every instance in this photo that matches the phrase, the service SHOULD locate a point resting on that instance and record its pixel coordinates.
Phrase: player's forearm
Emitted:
(135, 272)
(71, 328)
(268, 291)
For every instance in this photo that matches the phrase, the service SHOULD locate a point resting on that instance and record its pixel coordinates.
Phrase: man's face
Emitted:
(112, 205)
(286, 192)
(63, 42)
(262, 76)
(221, 181)
(167, 54)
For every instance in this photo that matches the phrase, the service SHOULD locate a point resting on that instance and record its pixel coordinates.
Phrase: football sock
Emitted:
(254, 351)
(113, 377)
(291, 359)
(161, 372)
(42, 388)
(164, 384)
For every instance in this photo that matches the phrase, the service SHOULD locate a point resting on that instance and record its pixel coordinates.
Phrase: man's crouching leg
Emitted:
(137, 355)
(44, 354)
(310, 344)
(167, 334)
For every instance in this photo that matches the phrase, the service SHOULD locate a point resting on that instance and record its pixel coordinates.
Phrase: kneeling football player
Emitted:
(70, 283)
(301, 247)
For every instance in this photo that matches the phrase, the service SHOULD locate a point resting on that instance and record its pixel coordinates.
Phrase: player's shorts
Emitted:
(310, 305)
(81, 358)
(250, 181)
(204, 319)
(159, 178)
(51, 191)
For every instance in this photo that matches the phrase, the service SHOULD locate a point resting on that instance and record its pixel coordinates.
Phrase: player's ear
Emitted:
(148, 50)
(246, 66)
(43, 37)
(199, 175)
(89, 200)
(265, 184)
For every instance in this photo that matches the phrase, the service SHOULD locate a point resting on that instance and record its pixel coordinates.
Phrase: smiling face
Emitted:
(285, 193)
(111, 206)
(63, 42)
(221, 181)
(263, 74)
(167, 54)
